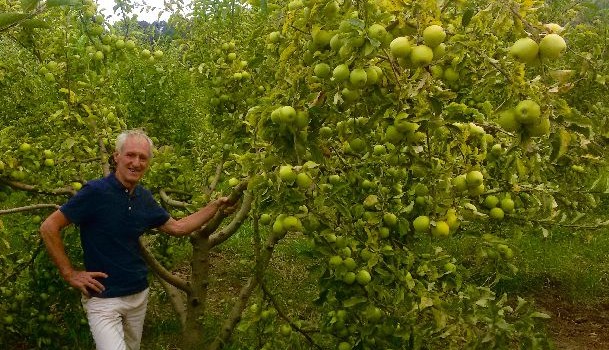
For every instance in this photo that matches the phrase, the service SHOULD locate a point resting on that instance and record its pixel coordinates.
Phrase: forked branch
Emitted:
(161, 271)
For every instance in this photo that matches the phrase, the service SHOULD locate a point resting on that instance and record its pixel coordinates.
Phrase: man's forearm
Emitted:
(195, 220)
(55, 248)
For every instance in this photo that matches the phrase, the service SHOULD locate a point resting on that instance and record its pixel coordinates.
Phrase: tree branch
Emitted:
(244, 294)
(21, 267)
(216, 179)
(30, 188)
(161, 272)
(28, 208)
(172, 202)
(231, 228)
(176, 299)
(284, 316)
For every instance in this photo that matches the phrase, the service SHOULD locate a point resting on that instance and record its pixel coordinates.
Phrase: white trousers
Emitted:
(117, 323)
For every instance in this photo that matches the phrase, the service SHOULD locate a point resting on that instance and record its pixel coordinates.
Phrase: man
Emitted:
(112, 213)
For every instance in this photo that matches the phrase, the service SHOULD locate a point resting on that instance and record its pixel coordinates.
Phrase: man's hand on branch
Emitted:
(225, 204)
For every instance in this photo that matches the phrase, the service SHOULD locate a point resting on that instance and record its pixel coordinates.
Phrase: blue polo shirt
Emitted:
(111, 220)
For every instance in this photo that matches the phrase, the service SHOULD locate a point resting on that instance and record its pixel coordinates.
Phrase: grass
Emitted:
(575, 266)
(289, 279)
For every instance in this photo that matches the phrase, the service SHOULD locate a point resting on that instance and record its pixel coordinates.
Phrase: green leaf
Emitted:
(467, 16)
(354, 301)
(52, 3)
(28, 5)
(10, 18)
(538, 314)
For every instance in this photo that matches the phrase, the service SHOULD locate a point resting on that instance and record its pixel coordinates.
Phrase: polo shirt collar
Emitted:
(119, 186)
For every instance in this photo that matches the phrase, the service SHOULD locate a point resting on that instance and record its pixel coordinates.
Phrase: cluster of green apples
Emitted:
(282, 224)
(49, 70)
(442, 227)
(551, 46)
(498, 207)
(232, 73)
(525, 117)
(411, 54)
(472, 182)
(403, 129)
(290, 117)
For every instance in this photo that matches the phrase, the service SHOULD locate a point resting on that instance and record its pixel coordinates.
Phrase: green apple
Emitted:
(421, 224)
(344, 346)
(372, 75)
(552, 46)
(341, 73)
(285, 330)
(321, 38)
(377, 32)
(274, 37)
(286, 173)
(527, 112)
(491, 201)
(358, 77)
(303, 180)
(460, 182)
(474, 178)
(292, 223)
(233, 181)
(322, 70)
(390, 219)
(507, 204)
(363, 277)
(287, 114)
(265, 219)
(525, 50)
(441, 229)
(451, 75)
(400, 47)
(421, 55)
(507, 120)
(336, 260)
(496, 213)
(25, 147)
(49, 162)
(433, 35)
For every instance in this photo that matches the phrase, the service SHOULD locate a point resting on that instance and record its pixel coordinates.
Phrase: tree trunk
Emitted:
(193, 334)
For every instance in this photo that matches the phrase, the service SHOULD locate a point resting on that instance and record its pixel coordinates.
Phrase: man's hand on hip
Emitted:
(85, 281)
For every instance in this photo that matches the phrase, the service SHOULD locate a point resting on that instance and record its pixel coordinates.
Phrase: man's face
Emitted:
(132, 161)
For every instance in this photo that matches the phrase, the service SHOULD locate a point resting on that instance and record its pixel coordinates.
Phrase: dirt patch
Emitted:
(574, 326)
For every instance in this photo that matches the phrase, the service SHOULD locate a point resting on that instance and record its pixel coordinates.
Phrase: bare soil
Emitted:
(573, 326)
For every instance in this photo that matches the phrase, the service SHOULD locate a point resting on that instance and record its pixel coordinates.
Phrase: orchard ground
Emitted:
(550, 273)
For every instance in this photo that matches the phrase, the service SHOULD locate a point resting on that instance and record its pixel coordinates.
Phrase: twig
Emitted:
(283, 315)
(28, 208)
(30, 188)
(21, 267)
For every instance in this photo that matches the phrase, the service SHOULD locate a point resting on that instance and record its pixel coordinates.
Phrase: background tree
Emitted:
(379, 131)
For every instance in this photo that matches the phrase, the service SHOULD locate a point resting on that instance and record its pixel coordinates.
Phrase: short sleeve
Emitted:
(155, 214)
(78, 208)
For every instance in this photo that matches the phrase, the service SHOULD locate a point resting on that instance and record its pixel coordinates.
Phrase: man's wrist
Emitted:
(67, 273)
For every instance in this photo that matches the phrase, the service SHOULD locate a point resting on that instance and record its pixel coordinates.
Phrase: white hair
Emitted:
(123, 136)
